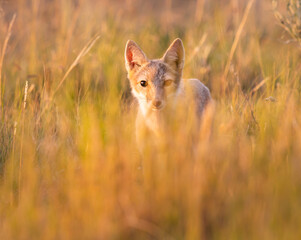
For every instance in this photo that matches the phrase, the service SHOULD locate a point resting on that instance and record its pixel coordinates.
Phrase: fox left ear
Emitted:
(175, 55)
(134, 56)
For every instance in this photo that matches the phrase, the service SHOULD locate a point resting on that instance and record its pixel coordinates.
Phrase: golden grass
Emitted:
(70, 166)
(2, 53)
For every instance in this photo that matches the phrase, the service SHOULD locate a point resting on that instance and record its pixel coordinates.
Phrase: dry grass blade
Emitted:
(82, 53)
(237, 37)
(22, 137)
(199, 10)
(259, 85)
(197, 48)
(3, 51)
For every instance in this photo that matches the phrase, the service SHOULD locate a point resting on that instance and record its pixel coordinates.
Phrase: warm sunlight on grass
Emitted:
(69, 162)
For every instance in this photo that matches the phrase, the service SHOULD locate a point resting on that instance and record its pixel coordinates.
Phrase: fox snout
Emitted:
(157, 104)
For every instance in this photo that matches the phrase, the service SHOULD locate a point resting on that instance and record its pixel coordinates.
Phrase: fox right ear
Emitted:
(175, 54)
(134, 56)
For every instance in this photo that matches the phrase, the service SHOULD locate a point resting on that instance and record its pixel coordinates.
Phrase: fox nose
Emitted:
(157, 103)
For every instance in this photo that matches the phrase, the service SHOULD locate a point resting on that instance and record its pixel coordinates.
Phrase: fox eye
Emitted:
(167, 83)
(143, 83)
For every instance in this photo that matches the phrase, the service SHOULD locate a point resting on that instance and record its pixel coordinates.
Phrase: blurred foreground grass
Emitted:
(69, 160)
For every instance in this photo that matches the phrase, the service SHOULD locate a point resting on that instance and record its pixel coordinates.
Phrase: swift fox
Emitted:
(158, 85)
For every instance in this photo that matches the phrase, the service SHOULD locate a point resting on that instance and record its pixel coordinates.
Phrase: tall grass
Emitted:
(80, 174)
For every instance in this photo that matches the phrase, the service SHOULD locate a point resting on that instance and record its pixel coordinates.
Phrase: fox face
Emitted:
(153, 82)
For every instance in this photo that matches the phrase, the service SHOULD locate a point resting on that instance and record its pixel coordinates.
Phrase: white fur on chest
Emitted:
(152, 118)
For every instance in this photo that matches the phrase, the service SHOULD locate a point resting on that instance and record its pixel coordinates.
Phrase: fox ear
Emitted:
(175, 55)
(134, 56)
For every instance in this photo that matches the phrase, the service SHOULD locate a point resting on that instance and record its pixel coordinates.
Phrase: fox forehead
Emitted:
(154, 71)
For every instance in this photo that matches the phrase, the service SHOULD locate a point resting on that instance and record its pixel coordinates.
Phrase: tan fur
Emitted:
(165, 86)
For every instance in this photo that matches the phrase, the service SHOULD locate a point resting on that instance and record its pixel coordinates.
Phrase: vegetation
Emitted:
(69, 162)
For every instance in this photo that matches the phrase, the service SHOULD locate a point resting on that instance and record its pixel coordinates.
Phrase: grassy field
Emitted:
(69, 162)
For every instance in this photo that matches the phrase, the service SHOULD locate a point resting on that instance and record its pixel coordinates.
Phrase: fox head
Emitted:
(154, 81)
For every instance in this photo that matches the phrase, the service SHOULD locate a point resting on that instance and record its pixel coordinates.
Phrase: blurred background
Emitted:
(52, 31)
(69, 162)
